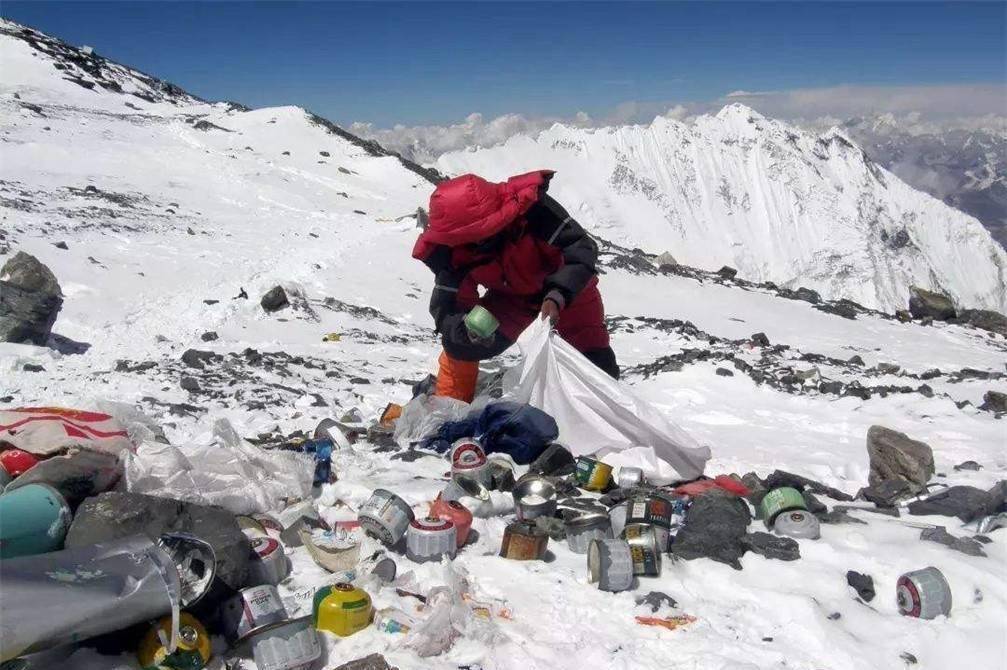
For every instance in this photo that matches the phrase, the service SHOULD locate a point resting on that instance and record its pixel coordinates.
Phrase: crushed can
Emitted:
(592, 474)
(610, 564)
(34, 519)
(923, 594)
(289, 645)
(268, 564)
(458, 514)
(192, 652)
(342, 609)
(250, 610)
(385, 516)
(778, 501)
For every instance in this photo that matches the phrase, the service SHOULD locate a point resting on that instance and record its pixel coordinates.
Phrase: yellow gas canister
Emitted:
(342, 609)
(193, 650)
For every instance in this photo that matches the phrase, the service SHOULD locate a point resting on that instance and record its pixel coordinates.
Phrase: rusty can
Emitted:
(923, 594)
(524, 541)
(610, 564)
(243, 615)
(644, 547)
(385, 516)
(592, 474)
(268, 564)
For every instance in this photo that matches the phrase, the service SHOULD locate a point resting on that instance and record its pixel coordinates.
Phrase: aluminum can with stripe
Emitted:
(431, 538)
(582, 530)
(524, 541)
(268, 564)
(610, 565)
(385, 516)
(469, 459)
(923, 594)
(592, 474)
(251, 609)
(645, 549)
(288, 645)
(629, 477)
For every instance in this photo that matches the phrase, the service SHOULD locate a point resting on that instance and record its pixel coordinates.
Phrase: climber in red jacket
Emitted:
(529, 255)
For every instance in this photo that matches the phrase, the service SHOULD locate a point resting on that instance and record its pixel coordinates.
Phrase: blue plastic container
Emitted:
(34, 519)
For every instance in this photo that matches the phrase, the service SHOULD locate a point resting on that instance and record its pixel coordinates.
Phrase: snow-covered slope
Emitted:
(771, 200)
(169, 207)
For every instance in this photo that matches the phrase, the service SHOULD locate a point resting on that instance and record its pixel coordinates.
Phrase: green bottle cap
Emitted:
(481, 323)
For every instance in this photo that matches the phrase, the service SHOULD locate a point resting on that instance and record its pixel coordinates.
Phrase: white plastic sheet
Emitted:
(599, 416)
(228, 471)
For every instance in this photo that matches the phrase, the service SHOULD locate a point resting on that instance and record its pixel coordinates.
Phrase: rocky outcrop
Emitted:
(30, 300)
(895, 456)
(937, 306)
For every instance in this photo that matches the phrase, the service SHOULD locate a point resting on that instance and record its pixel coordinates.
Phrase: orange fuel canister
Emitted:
(455, 512)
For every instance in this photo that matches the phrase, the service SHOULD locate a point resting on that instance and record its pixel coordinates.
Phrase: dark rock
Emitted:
(994, 401)
(410, 455)
(190, 384)
(60, 245)
(965, 502)
(894, 455)
(113, 515)
(844, 308)
(275, 299)
(968, 465)
(783, 478)
(814, 505)
(965, 545)
(359, 380)
(760, 339)
(756, 490)
(195, 358)
(714, 528)
(324, 153)
(656, 600)
(863, 584)
(831, 388)
(209, 336)
(835, 616)
(31, 367)
(931, 374)
(727, 272)
(923, 303)
(210, 301)
(369, 662)
(501, 476)
(887, 492)
(724, 372)
(903, 315)
(807, 295)
(772, 546)
(986, 319)
(30, 300)
(555, 461)
(190, 231)
(925, 390)
(855, 359)
(887, 368)
(910, 659)
(982, 538)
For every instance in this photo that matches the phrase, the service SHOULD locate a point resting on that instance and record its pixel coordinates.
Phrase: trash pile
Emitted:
(182, 555)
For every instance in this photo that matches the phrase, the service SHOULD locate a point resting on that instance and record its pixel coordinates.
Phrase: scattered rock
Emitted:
(968, 465)
(923, 304)
(835, 616)
(326, 154)
(772, 546)
(931, 374)
(895, 455)
(965, 545)
(724, 372)
(855, 359)
(556, 528)
(887, 493)
(903, 315)
(994, 401)
(60, 245)
(30, 300)
(760, 339)
(727, 272)
(190, 384)
(275, 299)
(665, 260)
(555, 461)
(714, 528)
(844, 308)
(925, 390)
(807, 295)
(369, 662)
(31, 367)
(986, 319)
(656, 600)
(113, 515)
(965, 502)
(190, 231)
(910, 659)
(195, 358)
(209, 336)
(887, 368)
(862, 584)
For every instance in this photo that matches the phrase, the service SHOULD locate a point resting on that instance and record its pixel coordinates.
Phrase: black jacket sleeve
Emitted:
(548, 220)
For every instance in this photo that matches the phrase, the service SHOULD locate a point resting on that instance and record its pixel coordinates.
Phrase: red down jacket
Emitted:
(520, 245)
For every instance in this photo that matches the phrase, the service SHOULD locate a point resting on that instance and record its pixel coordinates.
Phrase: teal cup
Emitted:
(34, 519)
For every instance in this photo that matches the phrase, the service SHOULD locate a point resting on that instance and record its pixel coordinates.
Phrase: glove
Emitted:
(551, 307)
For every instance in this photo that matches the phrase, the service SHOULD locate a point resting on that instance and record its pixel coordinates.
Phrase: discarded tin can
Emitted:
(469, 459)
(581, 530)
(592, 474)
(268, 564)
(251, 527)
(629, 477)
(385, 516)
(798, 523)
(610, 565)
(778, 501)
(17, 461)
(461, 486)
(342, 609)
(391, 620)
(195, 562)
(656, 511)
(34, 519)
(294, 519)
(645, 549)
(923, 594)
(250, 610)
(333, 430)
(459, 515)
(192, 652)
(269, 524)
(337, 549)
(431, 538)
(524, 541)
(534, 497)
(481, 323)
(291, 645)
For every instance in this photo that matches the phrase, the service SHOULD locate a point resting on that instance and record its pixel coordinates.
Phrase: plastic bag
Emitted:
(424, 414)
(598, 415)
(229, 472)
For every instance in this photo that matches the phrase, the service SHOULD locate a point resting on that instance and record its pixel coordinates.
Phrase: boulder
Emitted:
(665, 260)
(727, 272)
(894, 455)
(986, 319)
(275, 299)
(863, 584)
(994, 401)
(114, 515)
(555, 461)
(714, 528)
(772, 546)
(965, 545)
(807, 295)
(923, 303)
(30, 300)
(760, 339)
(887, 492)
(965, 502)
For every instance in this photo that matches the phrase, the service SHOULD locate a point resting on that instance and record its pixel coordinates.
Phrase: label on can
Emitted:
(591, 474)
(386, 516)
(342, 609)
(643, 545)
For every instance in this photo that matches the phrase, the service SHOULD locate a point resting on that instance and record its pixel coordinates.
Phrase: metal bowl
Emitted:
(463, 485)
(534, 497)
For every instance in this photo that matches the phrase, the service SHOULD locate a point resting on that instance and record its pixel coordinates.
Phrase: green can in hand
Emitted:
(481, 323)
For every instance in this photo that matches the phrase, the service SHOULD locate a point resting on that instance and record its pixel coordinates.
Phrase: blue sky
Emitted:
(419, 63)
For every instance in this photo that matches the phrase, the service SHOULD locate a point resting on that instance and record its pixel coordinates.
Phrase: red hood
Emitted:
(469, 209)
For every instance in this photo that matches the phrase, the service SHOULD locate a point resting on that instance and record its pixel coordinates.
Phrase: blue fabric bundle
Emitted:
(521, 431)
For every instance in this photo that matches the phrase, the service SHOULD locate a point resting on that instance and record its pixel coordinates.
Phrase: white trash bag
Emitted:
(596, 414)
